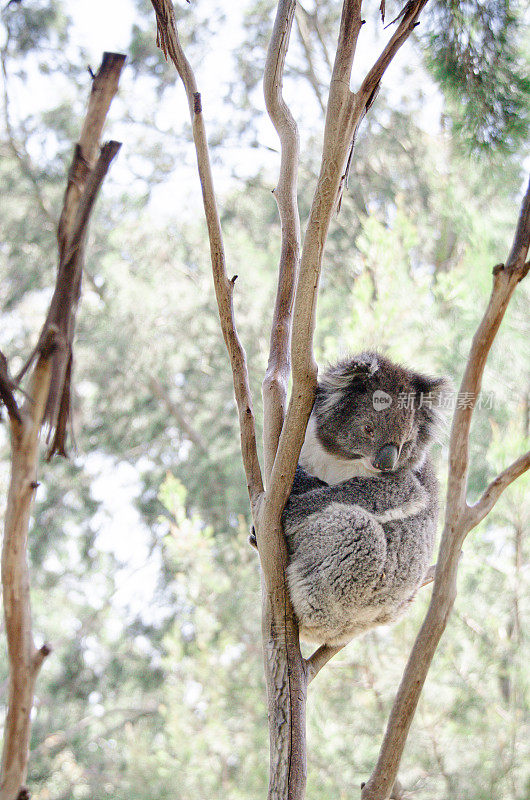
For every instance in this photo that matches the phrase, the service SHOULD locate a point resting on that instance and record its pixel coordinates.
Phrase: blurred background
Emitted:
(142, 578)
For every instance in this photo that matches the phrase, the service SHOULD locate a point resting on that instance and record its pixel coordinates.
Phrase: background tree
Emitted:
(47, 401)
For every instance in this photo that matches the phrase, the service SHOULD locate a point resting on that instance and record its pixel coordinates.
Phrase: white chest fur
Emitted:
(315, 460)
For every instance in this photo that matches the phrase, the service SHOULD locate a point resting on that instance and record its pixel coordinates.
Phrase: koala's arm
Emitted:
(304, 482)
(378, 494)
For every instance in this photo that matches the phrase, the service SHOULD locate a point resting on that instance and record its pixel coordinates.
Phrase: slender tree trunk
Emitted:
(48, 386)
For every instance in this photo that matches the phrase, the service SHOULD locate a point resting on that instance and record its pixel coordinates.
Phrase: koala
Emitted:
(361, 518)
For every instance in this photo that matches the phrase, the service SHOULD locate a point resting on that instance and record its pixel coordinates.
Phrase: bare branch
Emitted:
(350, 26)
(82, 187)
(77, 205)
(408, 21)
(482, 507)
(320, 658)
(459, 518)
(336, 142)
(63, 306)
(286, 672)
(505, 280)
(279, 365)
(104, 88)
(168, 41)
(24, 659)
(344, 114)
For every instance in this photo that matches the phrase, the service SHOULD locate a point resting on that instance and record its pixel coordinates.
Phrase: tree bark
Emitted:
(44, 382)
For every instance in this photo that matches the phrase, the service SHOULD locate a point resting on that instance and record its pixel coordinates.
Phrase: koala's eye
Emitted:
(368, 429)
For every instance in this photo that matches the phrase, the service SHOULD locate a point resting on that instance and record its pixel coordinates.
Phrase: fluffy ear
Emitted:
(349, 372)
(433, 396)
(437, 388)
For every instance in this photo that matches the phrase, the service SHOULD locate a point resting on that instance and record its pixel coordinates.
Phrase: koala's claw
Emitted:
(253, 542)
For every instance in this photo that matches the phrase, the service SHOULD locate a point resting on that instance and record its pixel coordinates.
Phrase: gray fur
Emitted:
(359, 548)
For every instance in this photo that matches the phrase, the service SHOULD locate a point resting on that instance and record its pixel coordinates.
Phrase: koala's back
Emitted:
(358, 552)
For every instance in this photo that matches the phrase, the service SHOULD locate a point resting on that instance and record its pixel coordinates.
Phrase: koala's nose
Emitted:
(386, 458)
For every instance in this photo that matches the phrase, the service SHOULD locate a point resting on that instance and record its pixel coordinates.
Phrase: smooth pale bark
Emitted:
(285, 673)
(168, 41)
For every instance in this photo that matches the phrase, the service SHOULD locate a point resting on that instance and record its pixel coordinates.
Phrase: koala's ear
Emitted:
(434, 387)
(433, 397)
(346, 374)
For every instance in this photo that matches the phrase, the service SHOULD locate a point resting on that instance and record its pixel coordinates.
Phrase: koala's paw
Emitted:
(253, 542)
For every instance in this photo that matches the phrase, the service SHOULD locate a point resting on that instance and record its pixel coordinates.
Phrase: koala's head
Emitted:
(369, 409)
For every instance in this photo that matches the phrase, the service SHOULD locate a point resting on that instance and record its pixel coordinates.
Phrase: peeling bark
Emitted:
(45, 382)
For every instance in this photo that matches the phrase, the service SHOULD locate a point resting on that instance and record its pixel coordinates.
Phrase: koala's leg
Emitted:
(337, 559)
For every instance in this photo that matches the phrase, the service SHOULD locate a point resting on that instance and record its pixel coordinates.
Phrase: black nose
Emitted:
(386, 458)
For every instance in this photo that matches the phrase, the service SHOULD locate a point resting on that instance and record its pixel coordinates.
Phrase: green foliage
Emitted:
(476, 54)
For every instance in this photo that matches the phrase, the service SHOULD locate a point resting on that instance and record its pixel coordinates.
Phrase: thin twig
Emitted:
(320, 658)
(483, 506)
(63, 306)
(168, 41)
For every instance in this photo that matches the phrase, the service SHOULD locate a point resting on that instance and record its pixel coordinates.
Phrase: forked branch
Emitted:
(408, 20)
(63, 306)
(287, 673)
(345, 112)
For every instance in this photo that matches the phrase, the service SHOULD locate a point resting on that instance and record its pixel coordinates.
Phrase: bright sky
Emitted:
(101, 25)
